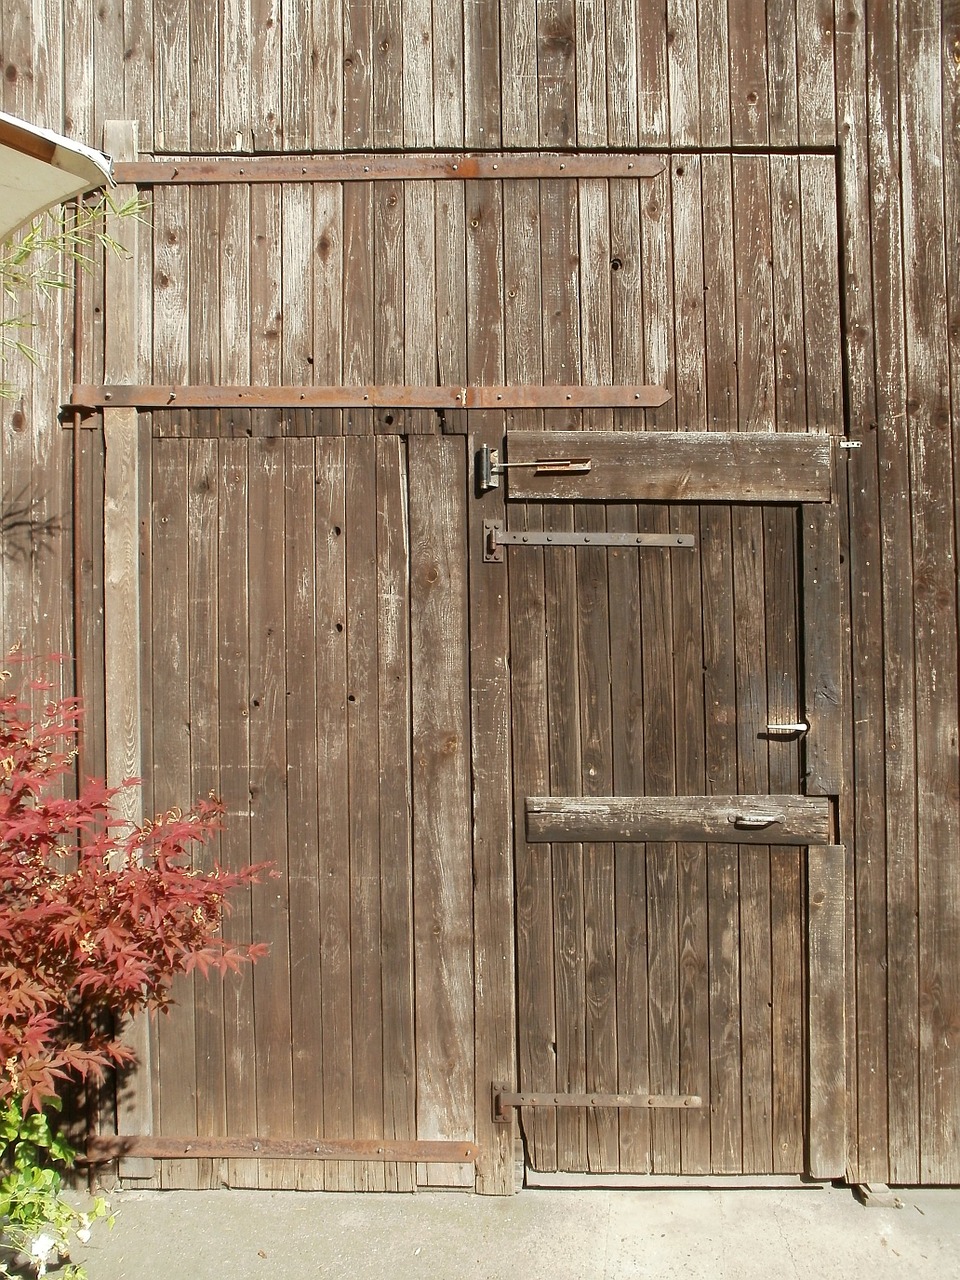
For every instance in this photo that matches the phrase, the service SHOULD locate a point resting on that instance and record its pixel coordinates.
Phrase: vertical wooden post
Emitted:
(823, 649)
(493, 895)
(121, 594)
(826, 948)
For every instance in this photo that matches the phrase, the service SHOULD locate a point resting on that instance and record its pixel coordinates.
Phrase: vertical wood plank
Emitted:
(204, 44)
(121, 610)
(826, 946)
(789, 286)
(363, 779)
(396, 862)
(234, 76)
(327, 76)
(590, 55)
(683, 72)
(821, 295)
(442, 841)
(266, 52)
(176, 1036)
(357, 73)
(449, 106)
(749, 110)
(233, 638)
(816, 41)
(388, 81)
(556, 72)
(419, 305)
(268, 796)
(303, 799)
(882, 609)
(481, 74)
(784, 49)
(653, 84)
(935, 582)
(296, 74)
(518, 52)
(171, 84)
(336, 1019)
(419, 91)
(622, 73)
(203, 529)
(360, 268)
(823, 640)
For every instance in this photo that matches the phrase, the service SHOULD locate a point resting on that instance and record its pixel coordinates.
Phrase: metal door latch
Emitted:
(490, 468)
(800, 726)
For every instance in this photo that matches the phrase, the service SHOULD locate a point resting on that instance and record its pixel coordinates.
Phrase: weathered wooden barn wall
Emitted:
(868, 89)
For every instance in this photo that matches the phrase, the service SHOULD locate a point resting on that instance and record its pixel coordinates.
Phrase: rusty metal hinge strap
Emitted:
(495, 538)
(505, 1101)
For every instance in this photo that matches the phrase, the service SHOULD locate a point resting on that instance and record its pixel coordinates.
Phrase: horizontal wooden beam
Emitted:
(695, 819)
(394, 397)
(675, 466)
(385, 167)
(110, 1147)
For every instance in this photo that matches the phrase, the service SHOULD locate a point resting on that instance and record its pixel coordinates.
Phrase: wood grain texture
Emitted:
(442, 844)
(690, 466)
(826, 947)
(779, 819)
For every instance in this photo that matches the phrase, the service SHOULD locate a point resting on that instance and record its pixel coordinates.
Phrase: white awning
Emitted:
(39, 169)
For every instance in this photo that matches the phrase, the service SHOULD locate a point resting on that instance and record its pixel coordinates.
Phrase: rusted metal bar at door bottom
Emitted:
(113, 1147)
(504, 1101)
(382, 166)
(370, 397)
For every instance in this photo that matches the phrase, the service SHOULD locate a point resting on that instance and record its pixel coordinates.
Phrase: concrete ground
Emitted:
(815, 1233)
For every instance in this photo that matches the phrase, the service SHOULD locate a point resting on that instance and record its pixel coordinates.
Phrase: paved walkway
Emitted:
(815, 1233)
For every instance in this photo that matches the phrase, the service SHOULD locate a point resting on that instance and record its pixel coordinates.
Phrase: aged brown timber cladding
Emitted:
(749, 110)
(660, 731)
(121, 607)
(627, 749)
(204, 43)
(493, 877)
(419, 284)
(396, 863)
(364, 766)
(518, 93)
(753, 262)
(106, 1147)
(559, 396)
(336, 1024)
(821, 294)
(590, 59)
(267, 513)
(886, 1137)
(823, 639)
(388, 292)
(266, 300)
(653, 89)
(784, 649)
(683, 72)
(233, 638)
(596, 776)
(826, 895)
(720, 819)
(360, 260)
(694, 466)
(433, 166)
(388, 60)
(171, 81)
(789, 285)
(171, 746)
(203, 528)
(782, 54)
(300, 560)
(932, 447)
(441, 805)
(817, 32)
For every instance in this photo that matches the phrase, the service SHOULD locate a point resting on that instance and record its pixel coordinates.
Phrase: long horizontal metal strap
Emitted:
(537, 538)
(505, 1101)
(366, 397)
(423, 166)
(109, 1147)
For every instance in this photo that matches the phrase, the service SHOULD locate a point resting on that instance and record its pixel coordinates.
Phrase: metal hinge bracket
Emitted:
(505, 1102)
(490, 468)
(495, 538)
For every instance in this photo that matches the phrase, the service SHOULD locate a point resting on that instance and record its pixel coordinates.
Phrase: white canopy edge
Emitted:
(39, 168)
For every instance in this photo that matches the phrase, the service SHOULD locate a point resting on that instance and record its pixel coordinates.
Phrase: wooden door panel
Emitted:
(661, 944)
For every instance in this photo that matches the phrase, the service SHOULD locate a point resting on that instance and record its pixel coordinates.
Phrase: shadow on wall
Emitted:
(24, 530)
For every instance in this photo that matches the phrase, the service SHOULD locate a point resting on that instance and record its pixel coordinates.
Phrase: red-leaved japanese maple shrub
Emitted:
(96, 918)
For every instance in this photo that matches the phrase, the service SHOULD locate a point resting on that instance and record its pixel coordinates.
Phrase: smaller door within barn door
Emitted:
(676, 712)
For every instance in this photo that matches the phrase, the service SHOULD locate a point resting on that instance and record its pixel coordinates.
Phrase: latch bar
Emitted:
(504, 1102)
(490, 468)
(495, 538)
